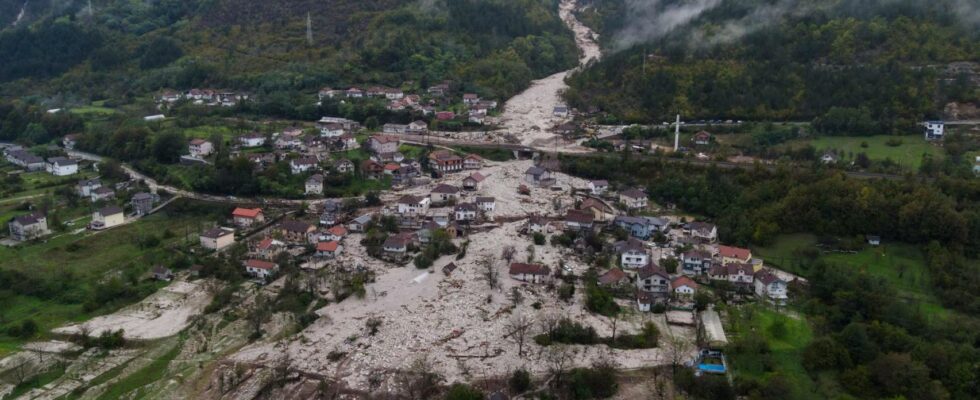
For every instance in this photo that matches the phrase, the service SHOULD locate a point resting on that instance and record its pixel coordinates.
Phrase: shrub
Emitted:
(600, 301)
(373, 324)
(894, 142)
(539, 239)
(422, 261)
(460, 391)
(570, 332)
(520, 381)
(566, 291)
(592, 383)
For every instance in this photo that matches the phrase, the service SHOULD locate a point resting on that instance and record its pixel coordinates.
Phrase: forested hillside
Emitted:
(856, 65)
(120, 49)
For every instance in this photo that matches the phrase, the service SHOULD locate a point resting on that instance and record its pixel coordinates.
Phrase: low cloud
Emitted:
(649, 20)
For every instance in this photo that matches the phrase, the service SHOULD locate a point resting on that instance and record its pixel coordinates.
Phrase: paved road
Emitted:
(157, 187)
(448, 142)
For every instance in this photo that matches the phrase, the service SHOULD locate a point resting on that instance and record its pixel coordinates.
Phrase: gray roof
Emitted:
(536, 171)
(28, 219)
(444, 188)
(363, 219)
(110, 210)
(630, 244)
(142, 196)
(26, 157)
(634, 193)
(466, 207)
(215, 233)
(62, 161)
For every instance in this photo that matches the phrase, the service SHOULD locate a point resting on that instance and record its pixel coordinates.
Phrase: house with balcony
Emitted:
(632, 253)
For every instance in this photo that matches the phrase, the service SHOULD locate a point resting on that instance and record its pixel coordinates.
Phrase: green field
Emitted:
(80, 261)
(902, 265)
(92, 110)
(206, 131)
(908, 154)
(786, 345)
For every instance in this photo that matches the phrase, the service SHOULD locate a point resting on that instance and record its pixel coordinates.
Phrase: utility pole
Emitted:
(677, 133)
(309, 30)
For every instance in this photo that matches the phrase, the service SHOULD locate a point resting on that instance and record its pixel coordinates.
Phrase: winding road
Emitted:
(178, 192)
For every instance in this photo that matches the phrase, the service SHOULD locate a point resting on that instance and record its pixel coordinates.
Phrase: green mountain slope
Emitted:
(124, 48)
(871, 65)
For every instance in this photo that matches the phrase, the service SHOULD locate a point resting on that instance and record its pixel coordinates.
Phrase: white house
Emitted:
(739, 274)
(383, 144)
(260, 268)
(633, 198)
(598, 188)
(409, 205)
(314, 185)
(107, 217)
(684, 287)
(396, 246)
(344, 166)
(217, 238)
(302, 164)
(60, 166)
(465, 212)
(254, 139)
(246, 217)
(331, 130)
(486, 204)
(28, 227)
(702, 231)
(632, 253)
(200, 148)
(418, 127)
(769, 286)
(934, 130)
(444, 193)
(532, 273)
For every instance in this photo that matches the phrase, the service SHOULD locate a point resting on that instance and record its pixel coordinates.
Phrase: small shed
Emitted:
(449, 268)
(162, 273)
